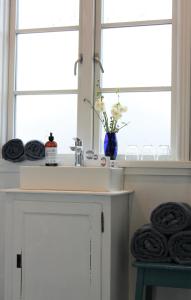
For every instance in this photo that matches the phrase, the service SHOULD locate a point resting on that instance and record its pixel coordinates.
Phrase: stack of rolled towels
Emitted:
(15, 150)
(167, 238)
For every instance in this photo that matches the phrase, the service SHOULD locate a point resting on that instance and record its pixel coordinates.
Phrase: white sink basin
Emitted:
(98, 179)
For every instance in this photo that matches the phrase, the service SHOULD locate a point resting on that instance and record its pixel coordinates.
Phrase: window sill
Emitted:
(164, 168)
(167, 168)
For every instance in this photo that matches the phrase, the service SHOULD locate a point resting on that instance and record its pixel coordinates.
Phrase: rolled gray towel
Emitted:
(34, 150)
(179, 246)
(13, 150)
(171, 217)
(149, 245)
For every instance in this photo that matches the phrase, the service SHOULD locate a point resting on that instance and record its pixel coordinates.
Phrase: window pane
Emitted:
(149, 117)
(37, 116)
(137, 56)
(136, 10)
(47, 13)
(46, 61)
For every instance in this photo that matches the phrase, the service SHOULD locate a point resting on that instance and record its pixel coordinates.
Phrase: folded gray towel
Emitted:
(179, 246)
(171, 217)
(34, 150)
(149, 245)
(13, 150)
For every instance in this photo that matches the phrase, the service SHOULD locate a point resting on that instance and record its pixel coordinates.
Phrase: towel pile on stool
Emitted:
(167, 238)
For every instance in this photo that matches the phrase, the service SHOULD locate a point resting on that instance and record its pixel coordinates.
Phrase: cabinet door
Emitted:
(60, 248)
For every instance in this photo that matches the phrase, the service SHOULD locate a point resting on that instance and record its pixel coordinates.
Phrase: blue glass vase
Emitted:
(110, 145)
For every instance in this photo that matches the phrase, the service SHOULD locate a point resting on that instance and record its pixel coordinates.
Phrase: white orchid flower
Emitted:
(100, 105)
(124, 109)
(120, 107)
(116, 113)
(110, 123)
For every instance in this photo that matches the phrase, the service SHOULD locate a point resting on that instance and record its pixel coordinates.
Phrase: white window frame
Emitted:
(180, 87)
(88, 126)
(85, 70)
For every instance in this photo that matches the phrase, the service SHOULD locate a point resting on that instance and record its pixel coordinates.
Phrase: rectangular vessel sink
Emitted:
(98, 179)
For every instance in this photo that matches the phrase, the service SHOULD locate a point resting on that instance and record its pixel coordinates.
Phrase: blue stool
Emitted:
(150, 275)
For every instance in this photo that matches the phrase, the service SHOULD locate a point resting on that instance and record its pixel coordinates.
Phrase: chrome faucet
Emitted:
(79, 154)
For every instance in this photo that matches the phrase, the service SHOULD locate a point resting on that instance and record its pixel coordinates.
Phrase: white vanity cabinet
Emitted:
(66, 245)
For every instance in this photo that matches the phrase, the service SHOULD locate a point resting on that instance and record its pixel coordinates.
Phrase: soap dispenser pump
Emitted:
(51, 151)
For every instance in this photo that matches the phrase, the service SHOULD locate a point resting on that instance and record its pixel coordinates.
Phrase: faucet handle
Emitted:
(78, 141)
(89, 154)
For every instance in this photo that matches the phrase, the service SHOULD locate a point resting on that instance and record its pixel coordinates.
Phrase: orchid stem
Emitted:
(87, 100)
(123, 126)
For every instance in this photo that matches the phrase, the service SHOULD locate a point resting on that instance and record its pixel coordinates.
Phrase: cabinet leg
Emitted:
(148, 292)
(139, 285)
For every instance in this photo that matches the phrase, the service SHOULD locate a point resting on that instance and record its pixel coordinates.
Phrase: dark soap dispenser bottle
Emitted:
(51, 151)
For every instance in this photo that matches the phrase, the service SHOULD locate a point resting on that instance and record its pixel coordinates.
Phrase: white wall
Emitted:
(150, 190)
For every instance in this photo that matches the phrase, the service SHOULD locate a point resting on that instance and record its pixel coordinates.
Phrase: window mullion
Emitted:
(12, 65)
(45, 92)
(137, 89)
(136, 23)
(97, 70)
(47, 29)
(4, 49)
(86, 72)
(181, 79)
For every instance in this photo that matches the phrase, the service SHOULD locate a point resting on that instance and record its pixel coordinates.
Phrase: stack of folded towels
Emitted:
(167, 238)
(15, 150)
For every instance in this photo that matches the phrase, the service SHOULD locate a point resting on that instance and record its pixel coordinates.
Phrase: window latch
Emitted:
(97, 60)
(79, 60)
